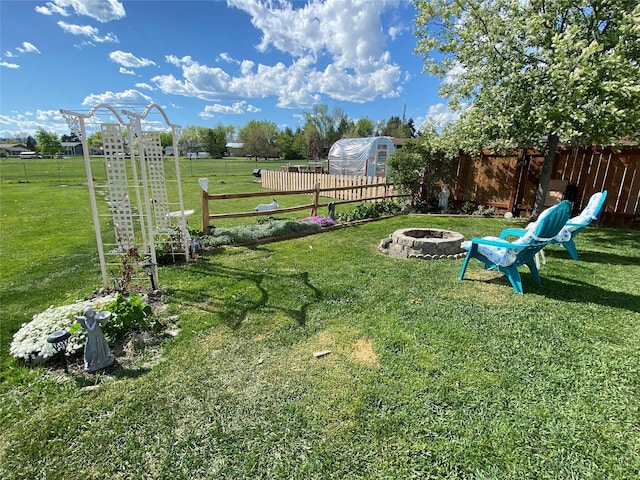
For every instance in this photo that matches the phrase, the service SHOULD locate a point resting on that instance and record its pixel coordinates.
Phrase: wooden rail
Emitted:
(317, 192)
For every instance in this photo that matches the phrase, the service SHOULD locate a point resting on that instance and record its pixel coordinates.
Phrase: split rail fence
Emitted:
(343, 189)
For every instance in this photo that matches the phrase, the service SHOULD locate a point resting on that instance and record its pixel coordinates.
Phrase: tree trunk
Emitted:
(545, 176)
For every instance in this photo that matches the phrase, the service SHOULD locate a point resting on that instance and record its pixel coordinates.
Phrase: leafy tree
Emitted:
(363, 128)
(344, 127)
(190, 139)
(535, 73)
(72, 137)
(48, 143)
(291, 145)
(300, 142)
(31, 143)
(410, 129)
(95, 140)
(393, 128)
(323, 128)
(166, 139)
(215, 141)
(419, 167)
(259, 138)
(313, 142)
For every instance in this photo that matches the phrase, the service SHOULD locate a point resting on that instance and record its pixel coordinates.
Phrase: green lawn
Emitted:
(428, 377)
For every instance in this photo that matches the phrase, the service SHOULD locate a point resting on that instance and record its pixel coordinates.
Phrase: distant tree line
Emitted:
(260, 138)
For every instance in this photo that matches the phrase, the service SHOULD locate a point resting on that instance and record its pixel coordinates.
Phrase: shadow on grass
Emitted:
(576, 291)
(618, 237)
(116, 371)
(566, 289)
(213, 296)
(606, 258)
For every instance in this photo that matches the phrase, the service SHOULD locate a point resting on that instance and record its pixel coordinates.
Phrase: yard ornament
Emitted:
(96, 350)
(443, 197)
(265, 207)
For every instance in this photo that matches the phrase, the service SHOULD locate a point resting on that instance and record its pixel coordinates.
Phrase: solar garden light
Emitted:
(150, 270)
(332, 210)
(58, 341)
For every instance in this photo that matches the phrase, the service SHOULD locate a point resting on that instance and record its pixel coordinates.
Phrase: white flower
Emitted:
(30, 341)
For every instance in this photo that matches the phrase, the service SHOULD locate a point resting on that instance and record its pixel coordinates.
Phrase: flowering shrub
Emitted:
(370, 210)
(247, 234)
(30, 341)
(484, 211)
(320, 220)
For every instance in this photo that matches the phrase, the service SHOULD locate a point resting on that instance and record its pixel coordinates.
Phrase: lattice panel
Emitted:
(152, 148)
(117, 181)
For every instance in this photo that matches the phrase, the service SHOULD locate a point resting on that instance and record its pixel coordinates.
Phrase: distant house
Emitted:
(72, 148)
(235, 149)
(168, 150)
(13, 149)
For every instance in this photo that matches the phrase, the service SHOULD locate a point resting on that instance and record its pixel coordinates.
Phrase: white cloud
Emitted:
(346, 32)
(127, 97)
(126, 72)
(28, 48)
(87, 31)
(438, 114)
(8, 54)
(225, 57)
(50, 8)
(146, 86)
(246, 66)
(23, 124)
(396, 31)
(199, 80)
(127, 59)
(101, 10)
(234, 109)
(9, 65)
(49, 115)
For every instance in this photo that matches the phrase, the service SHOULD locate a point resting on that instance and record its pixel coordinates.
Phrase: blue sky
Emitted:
(211, 62)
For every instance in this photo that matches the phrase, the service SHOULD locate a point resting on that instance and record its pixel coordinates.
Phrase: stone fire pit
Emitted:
(423, 243)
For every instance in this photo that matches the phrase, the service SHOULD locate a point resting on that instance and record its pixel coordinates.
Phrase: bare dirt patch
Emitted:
(362, 352)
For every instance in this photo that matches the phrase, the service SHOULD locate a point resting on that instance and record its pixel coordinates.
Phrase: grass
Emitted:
(428, 377)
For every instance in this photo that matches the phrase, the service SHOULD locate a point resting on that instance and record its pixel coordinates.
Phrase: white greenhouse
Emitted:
(360, 157)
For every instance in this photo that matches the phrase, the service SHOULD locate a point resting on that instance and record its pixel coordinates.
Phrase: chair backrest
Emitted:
(590, 212)
(540, 233)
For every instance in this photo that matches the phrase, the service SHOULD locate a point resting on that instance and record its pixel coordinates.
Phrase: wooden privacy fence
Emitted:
(508, 183)
(596, 169)
(363, 192)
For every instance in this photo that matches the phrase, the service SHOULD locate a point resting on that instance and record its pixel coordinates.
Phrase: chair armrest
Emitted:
(573, 224)
(516, 232)
(497, 243)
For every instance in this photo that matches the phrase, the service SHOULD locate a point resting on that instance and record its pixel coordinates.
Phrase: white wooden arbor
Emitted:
(136, 188)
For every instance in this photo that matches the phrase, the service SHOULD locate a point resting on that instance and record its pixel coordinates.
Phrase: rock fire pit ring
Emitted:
(423, 243)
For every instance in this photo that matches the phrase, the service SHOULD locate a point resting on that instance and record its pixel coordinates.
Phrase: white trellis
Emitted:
(159, 206)
(136, 188)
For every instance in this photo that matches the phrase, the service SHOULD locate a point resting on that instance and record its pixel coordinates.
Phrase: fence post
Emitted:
(316, 200)
(204, 204)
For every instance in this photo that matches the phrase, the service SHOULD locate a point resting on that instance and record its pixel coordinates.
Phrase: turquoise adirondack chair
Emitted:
(507, 257)
(576, 224)
(572, 228)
